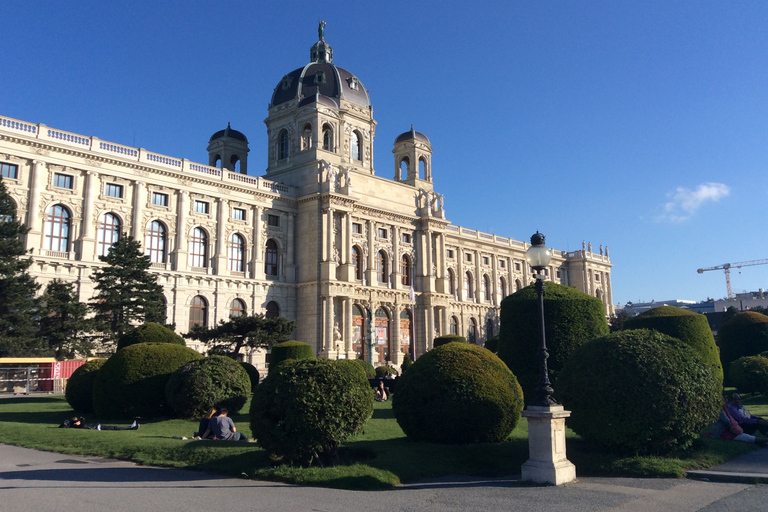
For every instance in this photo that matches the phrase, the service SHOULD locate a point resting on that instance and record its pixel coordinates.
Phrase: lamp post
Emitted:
(546, 418)
(538, 257)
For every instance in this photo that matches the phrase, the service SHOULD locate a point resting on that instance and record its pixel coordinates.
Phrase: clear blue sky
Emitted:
(640, 125)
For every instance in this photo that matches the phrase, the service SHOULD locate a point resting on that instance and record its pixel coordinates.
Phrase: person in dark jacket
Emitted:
(79, 422)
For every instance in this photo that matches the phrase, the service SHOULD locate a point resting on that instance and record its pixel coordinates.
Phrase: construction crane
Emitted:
(728, 266)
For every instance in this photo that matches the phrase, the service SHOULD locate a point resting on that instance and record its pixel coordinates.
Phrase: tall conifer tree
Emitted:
(18, 306)
(62, 321)
(128, 295)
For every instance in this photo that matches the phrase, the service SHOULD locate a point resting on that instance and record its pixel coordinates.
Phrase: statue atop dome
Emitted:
(321, 30)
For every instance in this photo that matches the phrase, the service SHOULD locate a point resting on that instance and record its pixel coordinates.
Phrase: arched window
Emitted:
(472, 331)
(270, 258)
(234, 163)
(107, 233)
(327, 138)
(518, 285)
(355, 146)
(198, 249)
(198, 312)
(405, 270)
(217, 161)
(422, 168)
(451, 282)
(381, 267)
(57, 227)
(486, 289)
(404, 164)
(306, 137)
(273, 310)
(283, 145)
(357, 262)
(237, 308)
(154, 242)
(469, 290)
(502, 287)
(488, 329)
(236, 253)
(454, 325)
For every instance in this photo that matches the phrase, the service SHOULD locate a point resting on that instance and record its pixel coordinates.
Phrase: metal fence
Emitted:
(29, 378)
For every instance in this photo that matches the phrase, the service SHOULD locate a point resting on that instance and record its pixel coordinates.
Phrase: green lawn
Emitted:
(380, 458)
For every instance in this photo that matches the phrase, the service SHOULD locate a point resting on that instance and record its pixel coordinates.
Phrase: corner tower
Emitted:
(413, 159)
(228, 149)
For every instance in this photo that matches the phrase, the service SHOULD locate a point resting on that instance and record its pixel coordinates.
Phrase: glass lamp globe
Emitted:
(538, 255)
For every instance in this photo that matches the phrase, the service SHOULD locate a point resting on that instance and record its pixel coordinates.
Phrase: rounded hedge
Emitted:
(290, 349)
(572, 319)
(216, 381)
(79, 390)
(407, 363)
(458, 394)
(639, 392)
(750, 374)
(744, 334)
(150, 332)
(306, 407)
(689, 327)
(370, 371)
(132, 382)
(448, 338)
(384, 370)
(253, 374)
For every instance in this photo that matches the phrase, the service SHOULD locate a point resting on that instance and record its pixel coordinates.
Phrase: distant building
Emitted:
(636, 308)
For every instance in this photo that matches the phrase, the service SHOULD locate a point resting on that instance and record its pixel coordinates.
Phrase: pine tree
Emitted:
(128, 294)
(62, 321)
(255, 331)
(18, 329)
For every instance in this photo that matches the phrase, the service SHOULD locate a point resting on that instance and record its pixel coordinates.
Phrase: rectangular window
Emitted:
(558, 274)
(357, 227)
(273, 220)
(517, 267)
(597, 277)
(502, 263)
(202, 207)
(238, 214)
(9, 170)
(406, 238)
(382, 233)
(469, 257)
(159, 199)
(450, 253)
(63, 180)
(113, 190)
(486, 260)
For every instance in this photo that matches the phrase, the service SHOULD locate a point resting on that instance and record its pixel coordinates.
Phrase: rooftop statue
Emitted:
(321, 30)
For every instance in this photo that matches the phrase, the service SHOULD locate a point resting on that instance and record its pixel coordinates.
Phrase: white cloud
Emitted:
(684, 202)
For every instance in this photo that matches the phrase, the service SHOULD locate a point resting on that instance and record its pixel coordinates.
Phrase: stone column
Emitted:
(257, 264)
(88, 235)
(396, 274)
(328, 265)
(139, 200)
(347, 332)
(180, 260)
(37, 180)
(430, 281)
(290, 267)
(548, 463)
(222, 205)
(347, 269)
(370, 272)
(479, 298)
(494, 291)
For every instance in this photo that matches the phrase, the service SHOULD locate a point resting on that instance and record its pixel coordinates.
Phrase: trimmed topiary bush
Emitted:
(448, 338)
(638, 392)
(305, 408)
(407, 363)
(744, 334)
(458, 394)
(132, 382)
(150, 332)
(689, 327)
(290, 349)
(253, 374)
(79, 391)
(367, 367)
(572, 319)
(382, 371)
(216, 381)
(750, 374)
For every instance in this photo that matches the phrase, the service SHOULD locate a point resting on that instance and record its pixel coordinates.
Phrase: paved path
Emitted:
(43, 481)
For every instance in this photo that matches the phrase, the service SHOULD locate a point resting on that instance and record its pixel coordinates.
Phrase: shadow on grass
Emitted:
(383, 414)
(51, 418)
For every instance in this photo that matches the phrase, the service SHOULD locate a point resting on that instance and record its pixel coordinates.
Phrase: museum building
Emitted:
(351, 256)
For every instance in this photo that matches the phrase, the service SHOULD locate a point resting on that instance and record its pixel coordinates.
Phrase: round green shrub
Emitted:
(458, 394)
(407, 363)
(750, 374)
(572, 319)
(367, 367)
(382, 371)
(492, 344)
(448, 338)
(79, 391)
(290, 349)
(744, 334)
(307, 407)
(132, 382)
(689, 327)
(216, 381)
(253, 374)
(150, 332)
(638, 392)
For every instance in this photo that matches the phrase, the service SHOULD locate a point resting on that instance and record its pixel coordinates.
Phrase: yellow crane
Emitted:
(727, 267)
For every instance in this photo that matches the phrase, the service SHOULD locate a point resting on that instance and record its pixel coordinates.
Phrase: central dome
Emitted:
(320, 81)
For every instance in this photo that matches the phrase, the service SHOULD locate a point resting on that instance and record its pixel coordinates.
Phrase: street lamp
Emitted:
(538, 257)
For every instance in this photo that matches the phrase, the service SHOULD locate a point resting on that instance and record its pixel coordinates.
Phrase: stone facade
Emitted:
(320, 239)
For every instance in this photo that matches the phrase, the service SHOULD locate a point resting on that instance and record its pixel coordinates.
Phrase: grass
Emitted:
(380, 458)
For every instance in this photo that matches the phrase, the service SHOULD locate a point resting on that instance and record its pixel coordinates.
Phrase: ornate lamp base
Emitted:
(546, 445)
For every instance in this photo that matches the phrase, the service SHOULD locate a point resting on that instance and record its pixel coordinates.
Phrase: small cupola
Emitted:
(228, 149)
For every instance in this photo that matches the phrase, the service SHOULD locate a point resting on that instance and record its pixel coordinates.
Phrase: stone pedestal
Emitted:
(546, 443)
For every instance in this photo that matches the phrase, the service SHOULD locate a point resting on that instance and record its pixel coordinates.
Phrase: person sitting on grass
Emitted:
(222, 427)
(381, 393)
(748, 422)
(76, 422)
(204, 422)
(726, 427)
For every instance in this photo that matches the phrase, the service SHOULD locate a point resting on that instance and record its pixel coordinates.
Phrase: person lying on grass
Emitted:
(76, 422)
(748, 422)
(222, 427)
(726, 427)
